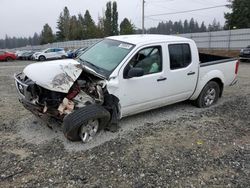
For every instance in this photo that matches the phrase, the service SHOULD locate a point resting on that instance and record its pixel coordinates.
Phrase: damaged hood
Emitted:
(57, 75)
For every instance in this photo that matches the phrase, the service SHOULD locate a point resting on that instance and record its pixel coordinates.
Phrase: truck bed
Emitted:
(204, 58)
(208, 59)
(212, 63)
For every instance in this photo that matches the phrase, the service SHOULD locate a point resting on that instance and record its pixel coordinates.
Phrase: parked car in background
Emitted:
(50, 53)
(25, 55)
(19, 54)
(79, 51)
(74, 53)
(7, 56)
(71, 54)
(245, 53)
(28, 55)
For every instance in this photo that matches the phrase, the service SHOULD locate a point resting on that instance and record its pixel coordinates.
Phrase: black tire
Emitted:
(64, 57)
(9, 59)
(42, 58)
(201, 102)
(73, 122)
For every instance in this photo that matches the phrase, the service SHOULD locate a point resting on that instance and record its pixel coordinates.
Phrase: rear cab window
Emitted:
(179, 55)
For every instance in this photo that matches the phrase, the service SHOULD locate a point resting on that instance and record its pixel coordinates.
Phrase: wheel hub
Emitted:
(210, 97)
(88, 131)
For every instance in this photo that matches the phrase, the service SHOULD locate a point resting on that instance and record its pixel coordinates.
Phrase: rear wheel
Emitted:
(209, 95)
(84, 123)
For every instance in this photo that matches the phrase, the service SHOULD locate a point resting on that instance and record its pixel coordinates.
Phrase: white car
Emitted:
(122, 76)
(50, 53)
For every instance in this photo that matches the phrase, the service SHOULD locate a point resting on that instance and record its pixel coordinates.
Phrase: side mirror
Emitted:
(135, 72)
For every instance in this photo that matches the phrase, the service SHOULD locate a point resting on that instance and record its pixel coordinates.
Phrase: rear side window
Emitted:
(180, 56)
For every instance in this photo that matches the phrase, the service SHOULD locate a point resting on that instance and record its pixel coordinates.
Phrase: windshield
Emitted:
(106, 55)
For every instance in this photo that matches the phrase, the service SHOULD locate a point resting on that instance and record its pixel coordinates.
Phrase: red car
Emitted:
(7, 56)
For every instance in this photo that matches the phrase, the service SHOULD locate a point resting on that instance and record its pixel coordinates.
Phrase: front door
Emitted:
(145, 92)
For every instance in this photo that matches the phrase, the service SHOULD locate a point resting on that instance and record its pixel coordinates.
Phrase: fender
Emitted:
(205, 79)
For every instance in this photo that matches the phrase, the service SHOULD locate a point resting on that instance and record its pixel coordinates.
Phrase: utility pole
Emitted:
(143, 6)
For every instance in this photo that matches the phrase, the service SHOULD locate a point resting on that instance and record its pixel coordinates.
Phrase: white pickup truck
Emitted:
(121, 76)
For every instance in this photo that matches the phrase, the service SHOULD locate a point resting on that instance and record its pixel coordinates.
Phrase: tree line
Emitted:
(80, 27)
(180, 27)
(16, 42)
(83, 27)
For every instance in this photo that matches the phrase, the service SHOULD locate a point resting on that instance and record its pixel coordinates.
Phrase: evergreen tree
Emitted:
(89, 26)
(196, 27)
(74, 29)
(126, 27)
(111, 19)
(240, 15)
(81, 23)
(186, 27)
(100, 28)
(108, 20)
(203, 28)
(35, 39)
(63, 25)
(192, 25)
(47, 35)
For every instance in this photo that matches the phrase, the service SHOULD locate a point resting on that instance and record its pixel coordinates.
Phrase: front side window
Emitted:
(149, 59)
(49, 51)
(180, 56)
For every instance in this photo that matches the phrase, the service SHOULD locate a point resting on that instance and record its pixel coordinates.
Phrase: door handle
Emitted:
(161, 79)
(190, 73)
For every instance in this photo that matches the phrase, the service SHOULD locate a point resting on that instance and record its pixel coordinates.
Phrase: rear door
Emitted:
(182, 73)
(58, 53)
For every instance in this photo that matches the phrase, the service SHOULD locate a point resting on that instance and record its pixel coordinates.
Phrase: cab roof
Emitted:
(148, 38)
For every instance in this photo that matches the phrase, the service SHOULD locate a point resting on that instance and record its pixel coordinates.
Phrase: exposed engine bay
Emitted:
(67, 88)
(86, 90)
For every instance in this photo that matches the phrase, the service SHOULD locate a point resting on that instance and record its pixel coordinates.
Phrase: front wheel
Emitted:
(209, 95)
(84, 123)
(42, 58)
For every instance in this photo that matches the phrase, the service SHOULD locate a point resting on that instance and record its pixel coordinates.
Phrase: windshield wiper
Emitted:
(88, 63)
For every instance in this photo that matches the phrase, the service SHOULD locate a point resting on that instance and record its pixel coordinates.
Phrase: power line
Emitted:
(180, 12)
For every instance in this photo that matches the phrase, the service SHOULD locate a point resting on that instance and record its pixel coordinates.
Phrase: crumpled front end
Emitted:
(58, 88)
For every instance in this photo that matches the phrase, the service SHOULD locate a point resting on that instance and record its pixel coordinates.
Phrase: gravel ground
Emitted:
(175, 146)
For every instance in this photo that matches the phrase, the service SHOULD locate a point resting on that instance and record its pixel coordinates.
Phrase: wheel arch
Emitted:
(220, 83)
(42, 56)
(216, 76)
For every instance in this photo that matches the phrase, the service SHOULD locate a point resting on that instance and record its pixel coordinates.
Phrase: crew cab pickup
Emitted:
(121, 76)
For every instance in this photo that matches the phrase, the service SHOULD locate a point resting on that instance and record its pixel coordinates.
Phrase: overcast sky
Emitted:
(22, 18)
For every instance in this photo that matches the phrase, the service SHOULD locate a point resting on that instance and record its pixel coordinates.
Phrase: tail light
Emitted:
(237, 67)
